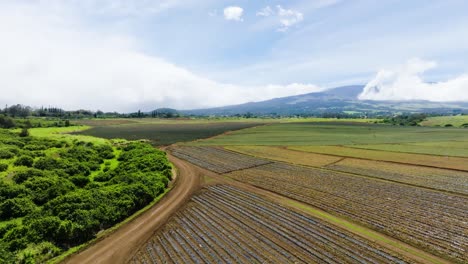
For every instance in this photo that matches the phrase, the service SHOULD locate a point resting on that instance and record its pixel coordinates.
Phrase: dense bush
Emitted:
(3, 167)
(24, 161)
(16, 207)
(6, 154)
(71, 191)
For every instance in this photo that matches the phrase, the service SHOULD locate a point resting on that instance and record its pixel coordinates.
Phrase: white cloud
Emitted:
(405, 83)
(233, 13)
(54, 60)
(266, 11)
(284, 18)
(288, 17)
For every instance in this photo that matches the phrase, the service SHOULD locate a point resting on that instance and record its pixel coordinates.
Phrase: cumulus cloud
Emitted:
(266, 11)
(285, 17)
(233, 13)
(406, 83)
(288, 17)
(55, 60)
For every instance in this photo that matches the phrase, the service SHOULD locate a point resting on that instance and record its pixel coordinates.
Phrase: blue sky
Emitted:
(123, 55)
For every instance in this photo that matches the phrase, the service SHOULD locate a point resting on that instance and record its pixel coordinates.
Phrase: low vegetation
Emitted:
(217, 160)
(457, 163)
(337, 133)
(224, 224)
(56, 194)
(434, 221)
(166, 133)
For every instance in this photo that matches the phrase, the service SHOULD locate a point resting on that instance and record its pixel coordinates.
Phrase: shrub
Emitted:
(3, 167)
(47, 163)
(80, 181)
(6, 154)
(24, 132)
(448, 125)
(24, 161)
(22, 176)
(16, 207)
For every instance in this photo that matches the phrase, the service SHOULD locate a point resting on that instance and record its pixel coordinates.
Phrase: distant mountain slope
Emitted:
(337, 100)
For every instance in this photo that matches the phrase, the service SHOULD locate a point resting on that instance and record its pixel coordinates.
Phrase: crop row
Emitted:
(441, 179)
(216, 159)
(456, 163)
(224, 224)
(433, 220)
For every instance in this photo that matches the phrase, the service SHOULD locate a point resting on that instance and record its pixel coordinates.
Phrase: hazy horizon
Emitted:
(127, 55)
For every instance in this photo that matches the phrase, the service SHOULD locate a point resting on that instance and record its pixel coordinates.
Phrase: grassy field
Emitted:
(165, 133)
(456, 121)
(439, 148)
(294, 134)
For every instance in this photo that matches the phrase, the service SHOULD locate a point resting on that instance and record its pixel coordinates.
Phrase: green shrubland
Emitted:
(56, 194)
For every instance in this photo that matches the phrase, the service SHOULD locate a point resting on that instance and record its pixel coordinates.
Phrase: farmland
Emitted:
(411, 194)
(224, 224)
(378, 204)
(433, 178)
(456, 163)
(345, 133)
(444, 148)
(163, 133)
(217, 160)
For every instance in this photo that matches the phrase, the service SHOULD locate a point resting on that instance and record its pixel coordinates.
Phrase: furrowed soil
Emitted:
(121, 244)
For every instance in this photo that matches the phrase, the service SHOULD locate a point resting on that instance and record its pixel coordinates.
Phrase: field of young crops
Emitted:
(457, 163)
(441, 148)
(433, 178)
(429, 219)
(440, 179)
(216, 159)
(286, 155)
(163, 133)
(224, 224)
(319, 134)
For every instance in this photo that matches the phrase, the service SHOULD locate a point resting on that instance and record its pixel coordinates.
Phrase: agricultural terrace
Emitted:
(224, 224)
(58, 192)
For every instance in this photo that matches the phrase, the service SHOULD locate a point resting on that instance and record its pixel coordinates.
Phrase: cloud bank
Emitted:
(50, 59)
(233, 13)
(406, 83)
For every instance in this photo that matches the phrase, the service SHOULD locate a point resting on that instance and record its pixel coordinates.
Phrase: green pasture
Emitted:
(456, 121)
(345, 133)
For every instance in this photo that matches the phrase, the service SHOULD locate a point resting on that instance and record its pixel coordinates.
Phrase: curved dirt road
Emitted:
(120, 245)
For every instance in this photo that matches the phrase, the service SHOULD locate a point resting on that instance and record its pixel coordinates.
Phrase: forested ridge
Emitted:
(57, 194)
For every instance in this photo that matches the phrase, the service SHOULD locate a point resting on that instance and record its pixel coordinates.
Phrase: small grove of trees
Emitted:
(406, 119)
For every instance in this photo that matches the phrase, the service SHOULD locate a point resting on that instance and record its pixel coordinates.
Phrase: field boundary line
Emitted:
(388, 161)
(325, 168)
(357, 229)
(406, 152)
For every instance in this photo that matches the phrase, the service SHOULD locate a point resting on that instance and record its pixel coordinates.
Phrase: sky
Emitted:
(122, 55)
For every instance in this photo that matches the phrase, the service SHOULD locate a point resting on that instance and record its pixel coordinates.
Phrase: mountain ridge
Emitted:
(343, 99)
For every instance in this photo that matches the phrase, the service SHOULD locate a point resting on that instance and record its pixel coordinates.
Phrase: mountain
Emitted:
(337, 100)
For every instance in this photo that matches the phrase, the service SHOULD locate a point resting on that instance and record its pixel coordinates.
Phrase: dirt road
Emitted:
(119, 246)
